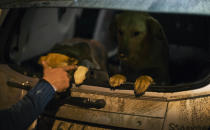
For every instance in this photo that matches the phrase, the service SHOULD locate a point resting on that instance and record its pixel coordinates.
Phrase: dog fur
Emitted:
(143, 51)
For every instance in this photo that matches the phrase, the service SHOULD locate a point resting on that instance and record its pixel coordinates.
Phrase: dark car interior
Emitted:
(188, 38)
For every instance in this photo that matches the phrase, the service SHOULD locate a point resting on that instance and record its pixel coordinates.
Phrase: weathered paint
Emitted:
(109, 118)
(64, 125)
(188, 114)
(126, 105)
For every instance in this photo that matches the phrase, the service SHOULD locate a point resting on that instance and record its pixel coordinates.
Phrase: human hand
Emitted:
(57, 77)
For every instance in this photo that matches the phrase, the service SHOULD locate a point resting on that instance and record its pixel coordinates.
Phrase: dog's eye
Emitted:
(136, 33)
(120, 32)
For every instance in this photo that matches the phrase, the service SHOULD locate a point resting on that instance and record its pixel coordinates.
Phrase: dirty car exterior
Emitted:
(189, 109)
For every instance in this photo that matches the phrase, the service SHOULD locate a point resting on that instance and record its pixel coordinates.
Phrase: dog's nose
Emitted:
(122, 55)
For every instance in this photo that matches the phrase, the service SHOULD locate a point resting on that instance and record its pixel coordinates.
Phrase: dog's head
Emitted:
(135, 30)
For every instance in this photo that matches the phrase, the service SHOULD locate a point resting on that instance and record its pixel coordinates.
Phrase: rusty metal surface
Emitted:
(109, 118)
(201, 7)
(126, 105)
(64, 125)
(191, 114)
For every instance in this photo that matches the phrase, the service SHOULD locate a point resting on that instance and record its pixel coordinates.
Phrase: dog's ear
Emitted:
(155, 29)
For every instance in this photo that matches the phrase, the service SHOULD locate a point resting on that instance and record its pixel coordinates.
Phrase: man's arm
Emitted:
(22, 114)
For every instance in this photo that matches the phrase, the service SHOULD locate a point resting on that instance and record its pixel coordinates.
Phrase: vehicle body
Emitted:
(182, 105)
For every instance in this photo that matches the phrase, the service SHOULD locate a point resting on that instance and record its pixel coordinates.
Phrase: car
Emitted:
(27, 32)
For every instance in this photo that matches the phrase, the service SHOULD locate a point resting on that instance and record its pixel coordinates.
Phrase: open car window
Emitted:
(187, 38)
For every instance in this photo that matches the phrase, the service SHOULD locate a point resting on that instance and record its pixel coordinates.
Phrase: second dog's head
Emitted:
(135, 32)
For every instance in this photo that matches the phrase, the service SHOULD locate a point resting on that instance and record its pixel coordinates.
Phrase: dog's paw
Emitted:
(117, 80)
(80, 74)
(142, 83)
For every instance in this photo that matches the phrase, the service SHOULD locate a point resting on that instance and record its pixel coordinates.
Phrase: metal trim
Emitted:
(199, 7)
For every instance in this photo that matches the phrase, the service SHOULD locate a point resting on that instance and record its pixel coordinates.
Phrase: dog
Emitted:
(85, 53)
(142, 50)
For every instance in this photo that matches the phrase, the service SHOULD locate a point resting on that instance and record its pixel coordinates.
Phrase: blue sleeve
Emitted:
(22, 114)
